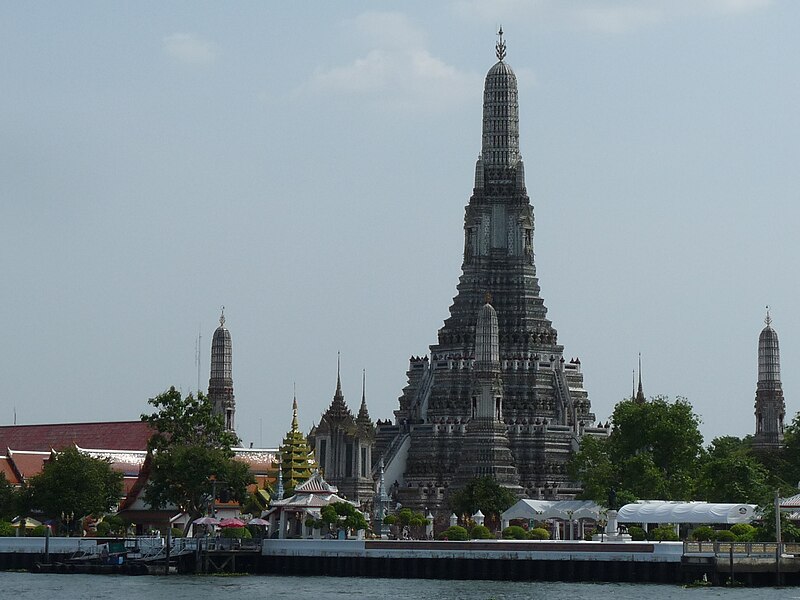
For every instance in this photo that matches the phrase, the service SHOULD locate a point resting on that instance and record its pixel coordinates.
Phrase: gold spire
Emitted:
(295, 426)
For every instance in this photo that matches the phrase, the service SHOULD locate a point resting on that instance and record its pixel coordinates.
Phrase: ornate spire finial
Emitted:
(363, 386)
(294, 408)
(768, 318)
(222, 317)
(500, 46)
(338, 373)
(487, 298)
(280, 490)
(640, 397)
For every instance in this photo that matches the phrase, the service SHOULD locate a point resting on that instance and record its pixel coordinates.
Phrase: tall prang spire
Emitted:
(463, 417)
(770, 407)
(220, 383)
(500, 146)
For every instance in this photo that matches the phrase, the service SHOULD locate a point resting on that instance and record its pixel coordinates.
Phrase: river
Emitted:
(27, 586)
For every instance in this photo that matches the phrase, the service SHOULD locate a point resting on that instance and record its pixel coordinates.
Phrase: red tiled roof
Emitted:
(28, 463)
(8, 470)
(116, 435)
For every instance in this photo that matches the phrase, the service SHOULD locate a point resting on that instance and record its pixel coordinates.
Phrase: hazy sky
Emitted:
(307, 166)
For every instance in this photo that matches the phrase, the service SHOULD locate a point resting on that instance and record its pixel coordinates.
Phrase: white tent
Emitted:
(541, 510)
(661, 511)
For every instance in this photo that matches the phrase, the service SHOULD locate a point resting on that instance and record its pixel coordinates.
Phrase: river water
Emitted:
(27, 586)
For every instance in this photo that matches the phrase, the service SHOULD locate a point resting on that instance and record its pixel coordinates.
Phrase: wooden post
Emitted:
(169, 544)
(732, 580)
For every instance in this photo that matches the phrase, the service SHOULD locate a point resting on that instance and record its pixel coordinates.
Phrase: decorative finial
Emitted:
(363, 386)
(500, 46)
(338, 373)
(487, 298)
(222, 317)
(768, 318)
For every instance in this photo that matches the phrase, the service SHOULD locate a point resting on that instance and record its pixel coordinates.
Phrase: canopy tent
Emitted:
(541, 510)
(661, 511)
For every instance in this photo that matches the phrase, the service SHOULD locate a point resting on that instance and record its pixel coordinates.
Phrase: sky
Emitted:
(307, 165)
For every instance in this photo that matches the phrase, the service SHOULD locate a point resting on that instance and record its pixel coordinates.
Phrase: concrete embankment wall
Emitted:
(502, 560)
(24, 553)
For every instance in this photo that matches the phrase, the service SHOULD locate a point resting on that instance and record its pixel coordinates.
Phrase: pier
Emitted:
(719, 563)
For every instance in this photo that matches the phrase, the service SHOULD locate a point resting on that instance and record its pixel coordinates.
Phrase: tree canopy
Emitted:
(190, 451)
(654, 451)
(344, 515)
(76, 484)
(731, 473)
(482, 493)
(8, 499)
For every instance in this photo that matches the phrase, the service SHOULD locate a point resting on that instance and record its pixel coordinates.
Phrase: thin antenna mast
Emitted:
(198, 355)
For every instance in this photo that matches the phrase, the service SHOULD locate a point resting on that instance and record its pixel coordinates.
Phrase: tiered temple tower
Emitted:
(485, 449)
(296, 458)
(220, 384)
(544, 406)
(770, 406)
(343, 447)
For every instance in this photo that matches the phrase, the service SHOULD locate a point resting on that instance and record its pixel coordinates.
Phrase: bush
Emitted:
(390, 520)
(6, 529)
(514, 532)
(726, 535)
(638, 534)
(236, 532)
(103, 529)
(38, 531)
(744, 532)
(176, 533)
(481, 532)
(665, 533)
(539, 533)
(455, 533)
(704, 534)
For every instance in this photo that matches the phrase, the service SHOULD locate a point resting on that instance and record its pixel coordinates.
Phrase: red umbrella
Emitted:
(231, 523)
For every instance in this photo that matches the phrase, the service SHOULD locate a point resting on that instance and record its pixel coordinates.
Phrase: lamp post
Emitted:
(67, 518)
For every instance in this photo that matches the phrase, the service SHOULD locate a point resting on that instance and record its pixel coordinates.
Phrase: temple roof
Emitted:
(117, 435)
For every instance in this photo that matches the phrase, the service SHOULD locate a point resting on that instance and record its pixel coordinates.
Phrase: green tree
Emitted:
(731, 473)
(484, 494)
(190, 451)
(653, 452)
(8, 499)
(343, 515)
(75, 484)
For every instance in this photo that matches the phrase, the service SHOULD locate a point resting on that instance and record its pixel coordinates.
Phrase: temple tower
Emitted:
(296, 458)
(220, 384)
(343, 447)
(545, 408)
(485, 449)
(770, 406)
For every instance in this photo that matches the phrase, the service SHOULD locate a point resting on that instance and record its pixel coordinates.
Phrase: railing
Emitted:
(754, 549)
